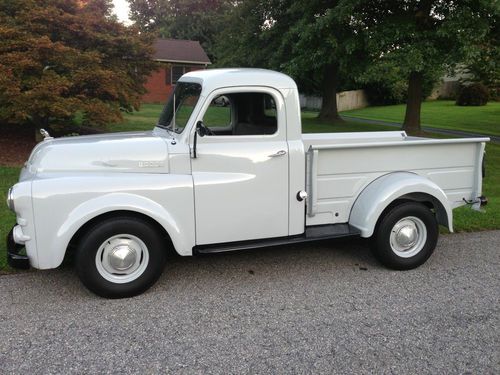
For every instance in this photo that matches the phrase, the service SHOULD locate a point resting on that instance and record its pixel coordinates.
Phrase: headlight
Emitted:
(10, 198)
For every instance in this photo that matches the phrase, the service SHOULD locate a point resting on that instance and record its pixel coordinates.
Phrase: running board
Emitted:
(313, 233)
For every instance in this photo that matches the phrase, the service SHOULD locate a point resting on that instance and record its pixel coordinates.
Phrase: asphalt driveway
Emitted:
(322, 308)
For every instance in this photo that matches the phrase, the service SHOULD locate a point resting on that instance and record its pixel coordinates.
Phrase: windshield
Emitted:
(184, 99)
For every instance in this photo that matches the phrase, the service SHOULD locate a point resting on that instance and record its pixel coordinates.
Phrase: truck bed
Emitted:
(341, 165)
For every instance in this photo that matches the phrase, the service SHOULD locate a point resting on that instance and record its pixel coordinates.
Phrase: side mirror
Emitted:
(201, 129)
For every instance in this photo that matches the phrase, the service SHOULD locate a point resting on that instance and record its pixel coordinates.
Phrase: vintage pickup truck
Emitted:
(227, 168)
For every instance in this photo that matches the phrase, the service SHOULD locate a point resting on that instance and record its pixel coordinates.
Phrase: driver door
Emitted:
(240, 173)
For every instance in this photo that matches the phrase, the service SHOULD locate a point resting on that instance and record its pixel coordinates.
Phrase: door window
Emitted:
(249, 113)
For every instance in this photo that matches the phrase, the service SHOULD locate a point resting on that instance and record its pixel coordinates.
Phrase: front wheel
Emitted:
(120, 257)
(405, 236)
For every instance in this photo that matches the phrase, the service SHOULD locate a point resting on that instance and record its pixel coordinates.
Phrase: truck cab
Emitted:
(227, 168)
(249, 163)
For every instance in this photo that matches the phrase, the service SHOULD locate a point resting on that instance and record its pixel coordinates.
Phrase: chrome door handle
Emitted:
(279, 153)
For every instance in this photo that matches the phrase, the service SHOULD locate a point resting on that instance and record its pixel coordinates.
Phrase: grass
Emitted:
(464, 218)
(145, 119)
(8, 177)
(467, 220)
(311, 124)
(441, 114)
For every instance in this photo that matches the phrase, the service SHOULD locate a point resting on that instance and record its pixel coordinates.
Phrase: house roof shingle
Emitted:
(177, 50)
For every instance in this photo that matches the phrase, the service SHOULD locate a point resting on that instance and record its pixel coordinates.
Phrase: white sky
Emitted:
(121, 10)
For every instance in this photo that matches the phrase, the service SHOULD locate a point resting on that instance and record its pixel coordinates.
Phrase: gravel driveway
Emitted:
(322, 308)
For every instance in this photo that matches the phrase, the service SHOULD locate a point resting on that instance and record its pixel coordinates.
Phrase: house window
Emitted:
(177, 71)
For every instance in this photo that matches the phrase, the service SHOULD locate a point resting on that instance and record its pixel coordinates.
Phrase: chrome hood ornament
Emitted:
(45, 134)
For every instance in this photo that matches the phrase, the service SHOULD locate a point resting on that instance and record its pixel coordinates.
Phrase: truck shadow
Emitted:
(280, 264)
(337, 253)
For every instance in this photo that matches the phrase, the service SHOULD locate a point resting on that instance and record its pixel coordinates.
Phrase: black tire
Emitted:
(95, 239)
(387, 251)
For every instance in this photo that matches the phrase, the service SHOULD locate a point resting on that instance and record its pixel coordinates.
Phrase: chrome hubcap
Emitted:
(122, 258)
(408, 236)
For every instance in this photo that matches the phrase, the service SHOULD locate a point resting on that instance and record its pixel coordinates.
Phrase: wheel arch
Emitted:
(77, 236)
(394, 188)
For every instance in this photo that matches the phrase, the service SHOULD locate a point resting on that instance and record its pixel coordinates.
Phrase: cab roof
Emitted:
(212, 79)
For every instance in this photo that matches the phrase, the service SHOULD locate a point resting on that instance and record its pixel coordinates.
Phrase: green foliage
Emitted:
(420, 36)
(199, 20)
(252, 35)
(393, 89)
(386, 92)
(300, 38)
(60, 57)
(484, 64)
(420, 39)
(475, 94)
(310, 40)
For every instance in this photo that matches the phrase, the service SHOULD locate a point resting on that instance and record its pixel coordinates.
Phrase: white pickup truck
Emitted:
(227, 168)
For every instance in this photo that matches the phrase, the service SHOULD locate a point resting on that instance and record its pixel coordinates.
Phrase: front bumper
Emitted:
(14, 258)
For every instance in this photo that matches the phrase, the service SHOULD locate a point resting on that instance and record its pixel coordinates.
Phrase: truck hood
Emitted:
(138, 152)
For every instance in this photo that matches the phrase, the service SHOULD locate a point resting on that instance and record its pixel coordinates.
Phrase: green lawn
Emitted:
(464, 218)
(8, 177)
(441, 114)
(145, 119)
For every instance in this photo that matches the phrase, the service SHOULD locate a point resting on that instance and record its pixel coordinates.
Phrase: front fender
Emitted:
(63, 205)
(379, 194)
(120, 202)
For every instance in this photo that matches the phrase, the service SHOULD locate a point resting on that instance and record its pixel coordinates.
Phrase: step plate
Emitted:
(312, 233)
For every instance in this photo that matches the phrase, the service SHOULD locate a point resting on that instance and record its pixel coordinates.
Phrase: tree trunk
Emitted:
(411, 123)
(329, 110)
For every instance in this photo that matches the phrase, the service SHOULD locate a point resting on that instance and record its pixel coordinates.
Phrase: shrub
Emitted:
(394, 91)
(385, 93)
(474, 94)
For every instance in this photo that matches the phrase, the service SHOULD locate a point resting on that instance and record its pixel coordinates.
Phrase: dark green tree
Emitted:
(309, 40)
(483, 66)
(197, 20)
(419, 38)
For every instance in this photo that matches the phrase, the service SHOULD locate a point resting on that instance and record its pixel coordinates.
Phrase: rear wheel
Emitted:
(405, 236)
(120, 257)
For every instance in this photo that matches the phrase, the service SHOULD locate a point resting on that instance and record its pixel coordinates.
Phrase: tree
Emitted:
(484, 65)
(198, 20)
(421, 38)
(63, 57)
(308, 40)
(323, 46)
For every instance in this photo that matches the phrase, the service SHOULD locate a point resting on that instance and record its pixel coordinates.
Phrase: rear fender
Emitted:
(379, 194)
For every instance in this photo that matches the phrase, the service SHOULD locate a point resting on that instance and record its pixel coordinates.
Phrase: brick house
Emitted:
(176, 58)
